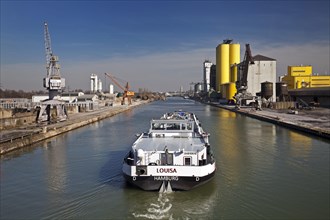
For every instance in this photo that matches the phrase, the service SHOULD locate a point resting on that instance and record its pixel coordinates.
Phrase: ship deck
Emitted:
(192, 144)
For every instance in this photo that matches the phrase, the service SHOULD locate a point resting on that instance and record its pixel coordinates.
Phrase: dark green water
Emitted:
(263, 172)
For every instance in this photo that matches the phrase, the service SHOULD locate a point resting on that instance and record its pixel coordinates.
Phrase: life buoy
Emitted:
(142, 171)
(134, 178)
(197, 179)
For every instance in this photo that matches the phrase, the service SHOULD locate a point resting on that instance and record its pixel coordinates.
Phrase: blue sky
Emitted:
(159, 45)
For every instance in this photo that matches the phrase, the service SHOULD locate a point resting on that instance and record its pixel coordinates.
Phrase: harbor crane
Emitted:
(127, 93)
(54, 83)
(242, 93)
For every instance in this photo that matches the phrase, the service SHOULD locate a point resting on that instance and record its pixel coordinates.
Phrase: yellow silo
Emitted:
(227, 58)
(234, 58)
(228, 90)
(231, 91)
(224, 64)
(234, 52)
(233, 73)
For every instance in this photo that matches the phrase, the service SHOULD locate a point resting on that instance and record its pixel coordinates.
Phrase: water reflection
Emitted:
(226, 114)
(245, 147)
(301, 145)
(56, 164)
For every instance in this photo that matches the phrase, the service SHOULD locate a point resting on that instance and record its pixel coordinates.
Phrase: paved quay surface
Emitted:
(12, 139)
(315, 121)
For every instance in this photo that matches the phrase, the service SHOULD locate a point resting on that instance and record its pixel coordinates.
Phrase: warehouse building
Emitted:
(302, 77)
(263, 70)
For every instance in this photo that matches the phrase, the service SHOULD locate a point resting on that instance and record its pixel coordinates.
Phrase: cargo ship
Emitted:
(174, 154)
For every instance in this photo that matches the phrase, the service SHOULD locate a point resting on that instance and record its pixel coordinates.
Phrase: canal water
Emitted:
(263, 172)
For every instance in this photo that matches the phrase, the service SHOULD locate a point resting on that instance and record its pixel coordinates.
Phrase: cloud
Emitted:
(157, 72)
(315, 54)
(162, 71)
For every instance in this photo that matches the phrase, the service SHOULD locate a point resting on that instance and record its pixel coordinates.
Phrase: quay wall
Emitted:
(11, 118)
(49, 131)
(6, 113)
(7, 123)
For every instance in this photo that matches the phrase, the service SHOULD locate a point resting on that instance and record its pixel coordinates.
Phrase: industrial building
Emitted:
(317, 96)
(213, 75)
(198, 88)
(96, 83)
(70, 97)
(111, 89)
(302, 77)
(230, 70)
(11, 103)
(255, 76)
(207, 75)
(263, 70)
(305, 87)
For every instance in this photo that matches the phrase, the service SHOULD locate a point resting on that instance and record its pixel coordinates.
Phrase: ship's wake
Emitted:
(166, 187)
(195, 204)
(159, 209)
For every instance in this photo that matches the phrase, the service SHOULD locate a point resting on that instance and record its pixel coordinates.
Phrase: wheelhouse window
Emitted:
(189, 126)
(187, 161)
(166, 158)
(183, 126)
(186, 126)
(172, 126)
(158, 126)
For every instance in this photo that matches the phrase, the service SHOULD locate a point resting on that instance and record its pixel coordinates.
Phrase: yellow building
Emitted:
(301, 77)
(299, 70)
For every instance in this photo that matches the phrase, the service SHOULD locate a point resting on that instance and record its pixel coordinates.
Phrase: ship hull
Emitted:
(154, 183)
